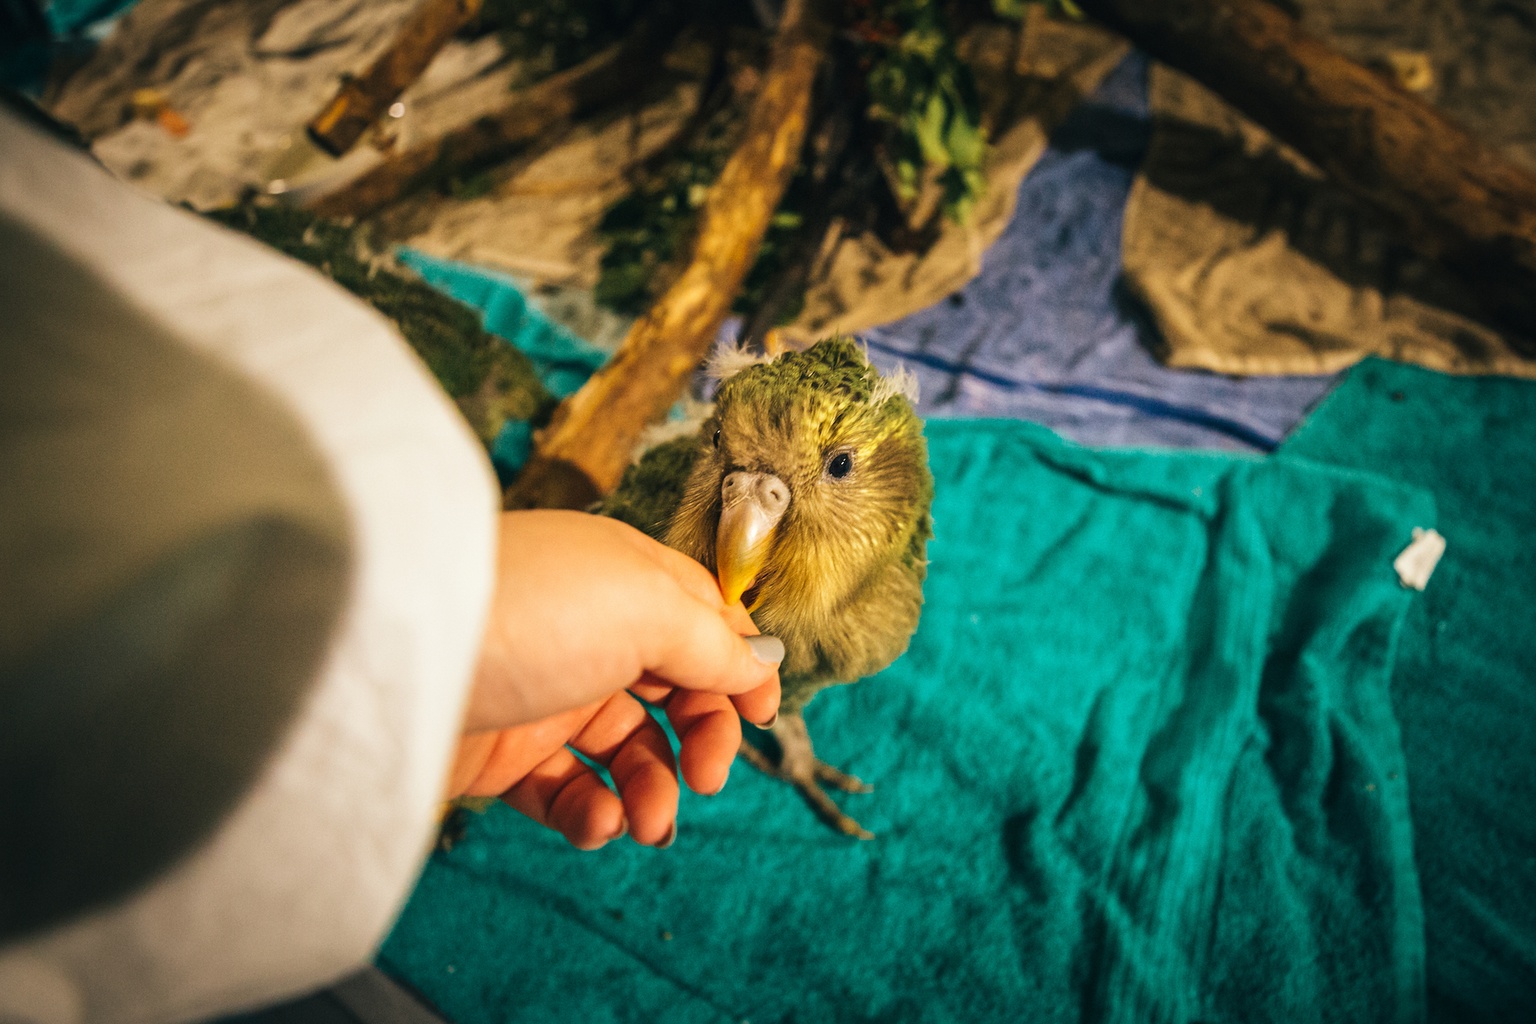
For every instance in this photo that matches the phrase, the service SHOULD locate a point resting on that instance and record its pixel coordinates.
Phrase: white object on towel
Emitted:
(1417, 562)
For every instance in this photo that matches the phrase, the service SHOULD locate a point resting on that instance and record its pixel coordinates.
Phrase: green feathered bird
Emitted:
(807, 493)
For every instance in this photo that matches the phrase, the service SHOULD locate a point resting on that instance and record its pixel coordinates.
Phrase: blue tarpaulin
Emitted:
(1046, 333)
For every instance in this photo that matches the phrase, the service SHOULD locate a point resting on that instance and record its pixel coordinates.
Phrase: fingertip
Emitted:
(587, 813)
(647, 783)
(653, 813)
(760, 706)
(708, 748)
(767, 649)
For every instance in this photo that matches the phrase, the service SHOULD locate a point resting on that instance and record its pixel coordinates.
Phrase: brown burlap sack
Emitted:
(1252, 263)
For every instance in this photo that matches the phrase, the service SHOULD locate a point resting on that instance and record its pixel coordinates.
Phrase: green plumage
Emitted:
(842, 586)
(652, 488)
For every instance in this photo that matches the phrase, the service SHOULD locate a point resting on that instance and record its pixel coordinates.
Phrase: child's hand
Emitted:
(587, 608)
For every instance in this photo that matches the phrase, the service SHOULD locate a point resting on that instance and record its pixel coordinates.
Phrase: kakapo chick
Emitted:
(807, 492)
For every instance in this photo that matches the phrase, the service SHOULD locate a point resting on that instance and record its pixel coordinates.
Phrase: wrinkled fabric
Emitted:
(305, 870)
(1251, 261)
(1139, 765)
(1462, 687)
(1046, 333)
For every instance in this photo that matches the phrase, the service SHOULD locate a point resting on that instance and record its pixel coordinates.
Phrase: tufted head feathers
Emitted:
(728, 360)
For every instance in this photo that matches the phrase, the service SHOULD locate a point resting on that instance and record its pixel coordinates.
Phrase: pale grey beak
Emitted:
(751, 505)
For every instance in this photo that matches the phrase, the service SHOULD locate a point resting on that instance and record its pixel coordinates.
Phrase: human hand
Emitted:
(588, 614)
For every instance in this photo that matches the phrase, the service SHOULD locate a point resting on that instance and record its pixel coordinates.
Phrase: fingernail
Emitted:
(770, 723)
(671, 838)
(720, 787)
(767, 649)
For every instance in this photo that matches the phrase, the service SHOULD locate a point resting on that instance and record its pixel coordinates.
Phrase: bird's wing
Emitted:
(652, 488)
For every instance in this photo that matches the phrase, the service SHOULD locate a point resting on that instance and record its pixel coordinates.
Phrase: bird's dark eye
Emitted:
(717, 437)
(840, 465)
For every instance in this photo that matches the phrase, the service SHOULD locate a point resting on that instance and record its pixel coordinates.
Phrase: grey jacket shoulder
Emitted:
(175, 556)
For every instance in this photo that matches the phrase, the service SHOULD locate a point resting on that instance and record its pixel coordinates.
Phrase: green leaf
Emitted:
(921, 43)
(929, 131)
(966, 143)
(907, 174)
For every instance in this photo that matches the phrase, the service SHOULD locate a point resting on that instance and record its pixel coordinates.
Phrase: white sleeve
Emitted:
(301, 880)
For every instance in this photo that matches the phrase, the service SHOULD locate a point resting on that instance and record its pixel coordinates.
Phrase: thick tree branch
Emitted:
(1457, 199)
(589, 442)
(363, 98)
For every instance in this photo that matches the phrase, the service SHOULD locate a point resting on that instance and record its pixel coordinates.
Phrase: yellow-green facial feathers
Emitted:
(810, 492)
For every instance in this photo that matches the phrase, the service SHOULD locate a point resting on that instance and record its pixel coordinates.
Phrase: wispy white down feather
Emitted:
(730, 358)
(900, 381)
(686, 418)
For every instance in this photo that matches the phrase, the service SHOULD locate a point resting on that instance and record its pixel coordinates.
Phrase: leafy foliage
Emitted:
(647, 232)
(920, 94)
(558, 33)
(921, 89)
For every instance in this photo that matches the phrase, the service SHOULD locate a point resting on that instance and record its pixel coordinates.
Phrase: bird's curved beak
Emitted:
(751, 506)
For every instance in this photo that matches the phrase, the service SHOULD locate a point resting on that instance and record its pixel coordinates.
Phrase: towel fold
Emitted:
(1463, 687)
(1139, 765)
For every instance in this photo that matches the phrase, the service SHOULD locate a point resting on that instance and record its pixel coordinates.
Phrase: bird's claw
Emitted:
(800, 767)
(839, 779)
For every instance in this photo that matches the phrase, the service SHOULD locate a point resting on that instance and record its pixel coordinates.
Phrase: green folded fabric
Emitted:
(1139, 765)
(563, 360)
(1465, 683)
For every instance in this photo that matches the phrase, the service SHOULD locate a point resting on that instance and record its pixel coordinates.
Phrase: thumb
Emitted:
(691, 645)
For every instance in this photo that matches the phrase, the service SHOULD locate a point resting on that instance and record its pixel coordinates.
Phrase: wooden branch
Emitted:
(363, 98)
(620, 70)
(589, 442)
(1457, 199)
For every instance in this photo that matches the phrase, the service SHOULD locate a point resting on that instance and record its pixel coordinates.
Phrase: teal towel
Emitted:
(1139, 765)
(564, 360)
(1465, 684)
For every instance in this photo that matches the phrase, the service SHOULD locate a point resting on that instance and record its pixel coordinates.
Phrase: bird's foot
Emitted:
(799, 766)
